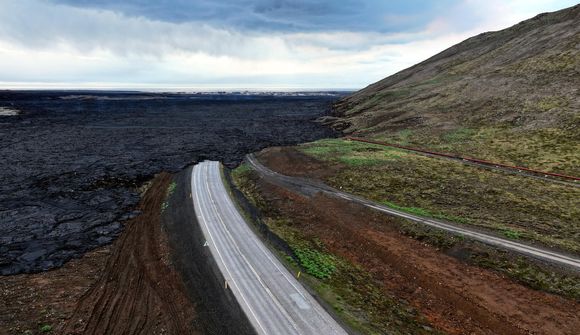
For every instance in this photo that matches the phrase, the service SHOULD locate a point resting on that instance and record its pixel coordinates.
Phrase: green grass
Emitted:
(170, 190)
(459, 135)
(513, 234)
(381, 99)
(548, 103)
(436, 237)
(513, 206)
(403, 136)
(318, 264)
(45, 328)
(241, 170)
(425, 213)
(390, 95)
(360, 161)
(351, 152)
(553, 63)
(243, 177)
(546, 149)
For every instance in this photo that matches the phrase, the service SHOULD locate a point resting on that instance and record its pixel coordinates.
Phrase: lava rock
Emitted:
(71, 162)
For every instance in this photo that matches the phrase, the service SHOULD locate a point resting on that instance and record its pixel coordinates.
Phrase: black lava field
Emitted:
(71, 162)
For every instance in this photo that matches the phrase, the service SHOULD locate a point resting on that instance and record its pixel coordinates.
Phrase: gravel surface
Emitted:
(71, 162)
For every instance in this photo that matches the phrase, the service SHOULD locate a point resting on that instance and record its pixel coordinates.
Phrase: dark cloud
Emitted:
(282, 15)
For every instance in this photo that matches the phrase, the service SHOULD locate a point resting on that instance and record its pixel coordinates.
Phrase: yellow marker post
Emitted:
(298, 275)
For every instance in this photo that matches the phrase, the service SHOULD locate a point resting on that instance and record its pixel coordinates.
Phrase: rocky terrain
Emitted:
(510, 95)
(72, 161)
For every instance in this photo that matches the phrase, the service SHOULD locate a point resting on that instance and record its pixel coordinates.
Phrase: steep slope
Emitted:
(510, 95)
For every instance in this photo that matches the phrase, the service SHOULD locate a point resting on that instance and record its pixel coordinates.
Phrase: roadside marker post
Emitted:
(298, 275)
(226, 284)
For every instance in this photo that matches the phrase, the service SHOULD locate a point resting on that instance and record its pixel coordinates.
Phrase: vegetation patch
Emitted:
(352, 292)
(45, 328)
(510, 233)
(548, 103)
(244, 178)
(530, 275)
(549, 64)
(318, 264)
(512, 206)
(425, 213)
(438, 238)
(547, 149)
(404, 136)
(459, 135)
(351, 152)
(170, 190)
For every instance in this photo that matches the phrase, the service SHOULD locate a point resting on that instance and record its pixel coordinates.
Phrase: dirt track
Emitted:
(138, 292)
(129, 287)
(28, 302)
(455, 297)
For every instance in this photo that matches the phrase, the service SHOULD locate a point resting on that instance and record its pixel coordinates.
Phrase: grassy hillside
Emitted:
(512, 206)
(510, 95)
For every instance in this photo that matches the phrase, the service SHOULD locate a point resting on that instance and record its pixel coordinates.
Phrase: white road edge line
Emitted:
(223, 261)
(236, 246)
(262, 249)
(487, 239)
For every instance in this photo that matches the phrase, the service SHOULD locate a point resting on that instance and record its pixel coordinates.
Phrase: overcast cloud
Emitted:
(235, 44)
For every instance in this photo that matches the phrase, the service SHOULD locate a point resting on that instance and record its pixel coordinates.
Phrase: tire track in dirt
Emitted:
(138, 292)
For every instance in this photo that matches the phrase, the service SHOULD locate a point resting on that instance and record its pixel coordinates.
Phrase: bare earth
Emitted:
(127, 287)
(455, 297)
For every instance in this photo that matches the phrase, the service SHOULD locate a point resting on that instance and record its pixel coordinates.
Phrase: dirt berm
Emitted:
(138, 292)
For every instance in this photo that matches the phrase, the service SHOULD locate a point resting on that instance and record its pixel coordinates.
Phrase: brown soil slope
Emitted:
(30, 301)
(128, 287)
(138, 292)
(526, 76)
(455, 297)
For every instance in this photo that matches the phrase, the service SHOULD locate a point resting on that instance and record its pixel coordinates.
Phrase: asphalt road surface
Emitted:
(272, 298)
(309, 187)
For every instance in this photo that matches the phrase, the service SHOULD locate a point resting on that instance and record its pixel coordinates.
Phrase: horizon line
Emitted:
(12, 86)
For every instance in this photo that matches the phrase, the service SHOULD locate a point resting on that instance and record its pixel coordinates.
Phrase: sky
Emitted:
(235, 44)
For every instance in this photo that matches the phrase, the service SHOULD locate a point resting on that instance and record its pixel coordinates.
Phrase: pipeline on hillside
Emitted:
(474, 160)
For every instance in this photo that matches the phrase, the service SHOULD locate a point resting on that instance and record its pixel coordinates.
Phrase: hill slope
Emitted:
(510, 95)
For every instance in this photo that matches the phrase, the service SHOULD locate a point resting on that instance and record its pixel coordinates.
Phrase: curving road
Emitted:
(274, 301)
(310, 187)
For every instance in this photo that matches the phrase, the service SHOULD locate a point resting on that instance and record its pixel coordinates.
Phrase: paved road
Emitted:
(309, 187)
(274, 301)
